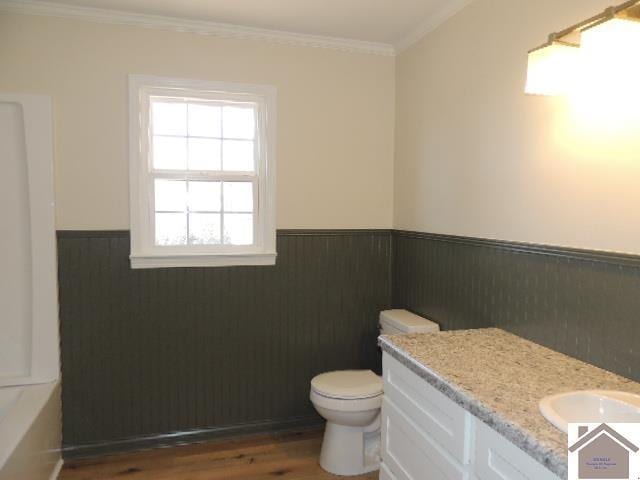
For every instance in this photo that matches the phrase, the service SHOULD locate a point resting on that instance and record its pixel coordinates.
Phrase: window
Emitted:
(202, 170)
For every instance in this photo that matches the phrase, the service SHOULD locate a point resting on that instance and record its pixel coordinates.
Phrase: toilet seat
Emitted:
(346, 405)
(348, 385)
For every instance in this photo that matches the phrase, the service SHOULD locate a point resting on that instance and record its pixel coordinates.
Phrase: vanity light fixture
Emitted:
(552, 68)
(555, 68)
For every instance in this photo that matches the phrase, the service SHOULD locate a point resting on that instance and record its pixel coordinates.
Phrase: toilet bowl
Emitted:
(351, 400)
(352, 434)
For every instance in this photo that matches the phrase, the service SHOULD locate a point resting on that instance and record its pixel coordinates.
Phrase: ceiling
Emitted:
(392, 22)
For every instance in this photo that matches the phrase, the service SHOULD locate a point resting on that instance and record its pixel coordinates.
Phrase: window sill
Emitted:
(202, 260)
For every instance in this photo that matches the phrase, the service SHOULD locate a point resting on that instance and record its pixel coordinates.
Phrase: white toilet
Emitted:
(350, 401)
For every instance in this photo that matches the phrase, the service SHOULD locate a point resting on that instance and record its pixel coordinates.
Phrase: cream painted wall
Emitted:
(335, 115)
(476, 157)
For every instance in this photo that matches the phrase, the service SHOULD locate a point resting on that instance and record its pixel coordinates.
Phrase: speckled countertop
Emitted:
(500, 378)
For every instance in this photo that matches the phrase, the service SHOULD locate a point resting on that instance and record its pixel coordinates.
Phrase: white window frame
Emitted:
(144, 252)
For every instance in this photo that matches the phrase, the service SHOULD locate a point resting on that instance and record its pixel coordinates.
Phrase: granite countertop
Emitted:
(500, 378)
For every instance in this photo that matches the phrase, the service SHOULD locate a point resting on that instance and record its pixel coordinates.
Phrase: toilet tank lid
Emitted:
(407, 322)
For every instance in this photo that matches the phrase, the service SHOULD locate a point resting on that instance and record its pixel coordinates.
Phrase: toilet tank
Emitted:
(395, 322)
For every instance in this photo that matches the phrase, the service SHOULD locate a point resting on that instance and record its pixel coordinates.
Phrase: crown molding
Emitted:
(431, 23)
(224, 30)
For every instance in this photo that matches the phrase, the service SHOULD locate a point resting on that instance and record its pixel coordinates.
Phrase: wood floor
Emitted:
(288, 456)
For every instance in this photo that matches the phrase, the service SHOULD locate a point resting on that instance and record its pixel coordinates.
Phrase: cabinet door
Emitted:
(412, 455)
(497, 458)
(430, 410)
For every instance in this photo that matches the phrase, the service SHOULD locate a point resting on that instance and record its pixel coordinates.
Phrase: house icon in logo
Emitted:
(602, 453)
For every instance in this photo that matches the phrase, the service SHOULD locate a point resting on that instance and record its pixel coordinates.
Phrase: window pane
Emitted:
(237, 155)
(171, 229)
(169, 153)
(169, 118)
(171, 195)
(204, 196)
(204, 228)
(238, 229)
(238, 122)
(238, 196)
(204, 154)
(205, 121)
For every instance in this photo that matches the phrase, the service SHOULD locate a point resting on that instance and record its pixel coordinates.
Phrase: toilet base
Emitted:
(350, 450)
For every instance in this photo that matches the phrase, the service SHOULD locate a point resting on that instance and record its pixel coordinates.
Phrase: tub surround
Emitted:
(29, 354)
(500, 378)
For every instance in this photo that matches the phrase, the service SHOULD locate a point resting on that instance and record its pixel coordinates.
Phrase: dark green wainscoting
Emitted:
(164, 356)
(582, 303)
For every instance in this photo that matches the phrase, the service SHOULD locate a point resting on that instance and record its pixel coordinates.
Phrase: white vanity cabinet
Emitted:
(427, 436)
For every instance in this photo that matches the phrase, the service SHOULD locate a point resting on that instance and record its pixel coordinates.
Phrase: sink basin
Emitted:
(590, 406)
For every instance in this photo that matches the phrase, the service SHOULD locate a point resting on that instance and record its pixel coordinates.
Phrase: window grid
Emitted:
(188, 136)
(218, 176)
(222, 211)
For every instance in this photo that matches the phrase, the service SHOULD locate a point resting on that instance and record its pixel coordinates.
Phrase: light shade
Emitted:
(606, 96)
(609, 54)
(614, 34)
(552, 69)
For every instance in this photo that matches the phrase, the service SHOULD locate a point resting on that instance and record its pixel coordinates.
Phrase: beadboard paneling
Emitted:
(585, 304)
(213, 351)
(150, 352)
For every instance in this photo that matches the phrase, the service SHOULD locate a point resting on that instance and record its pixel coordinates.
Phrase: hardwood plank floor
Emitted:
(289, 456)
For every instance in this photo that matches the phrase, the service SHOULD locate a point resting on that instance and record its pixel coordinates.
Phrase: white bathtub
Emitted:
(30, 432)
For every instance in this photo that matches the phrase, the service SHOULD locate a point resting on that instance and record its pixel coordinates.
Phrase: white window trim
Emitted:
(144, 254)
